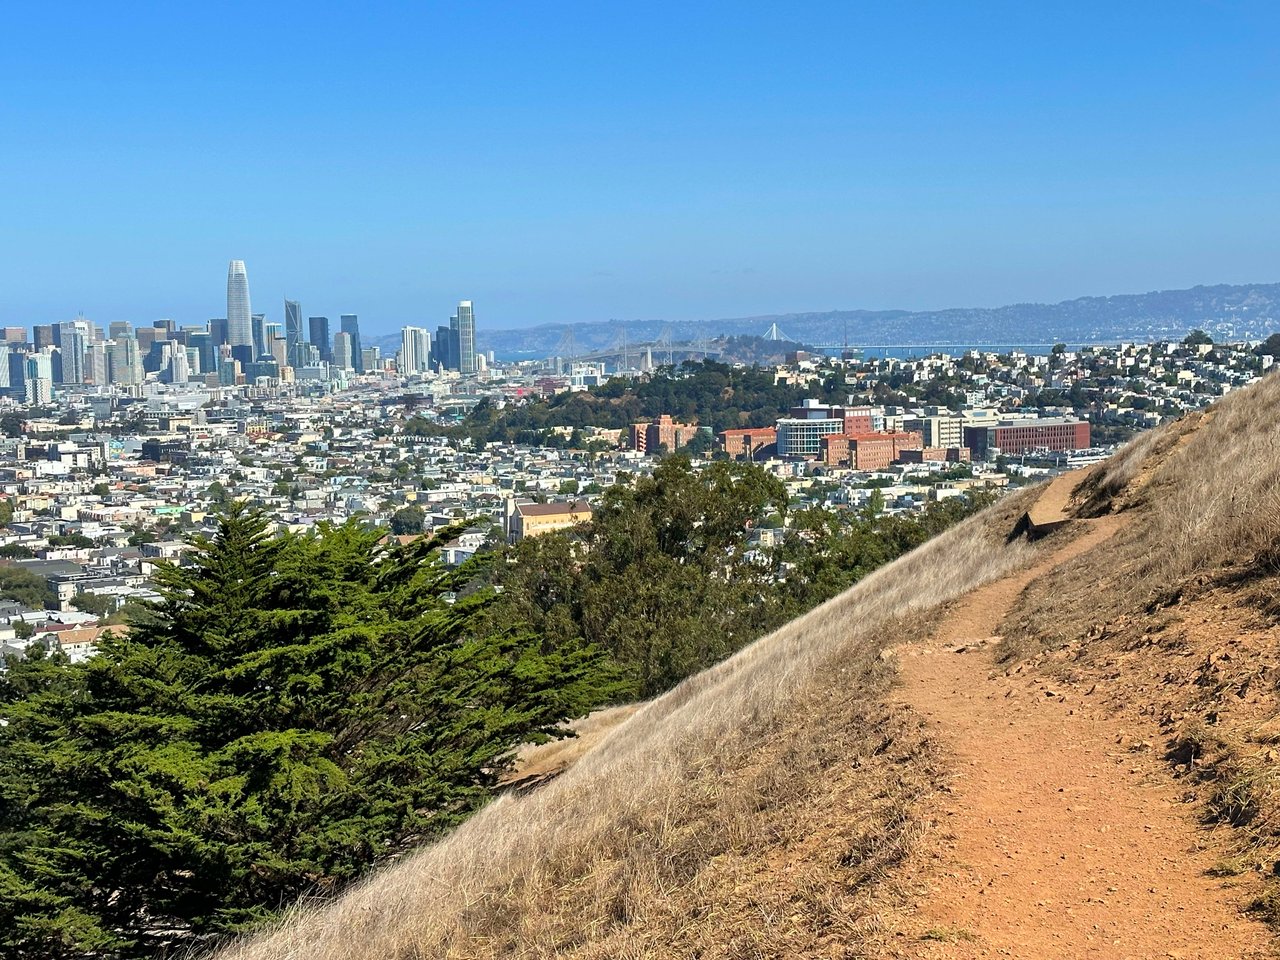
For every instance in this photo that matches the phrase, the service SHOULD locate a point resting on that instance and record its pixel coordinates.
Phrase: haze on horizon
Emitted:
(583, 161)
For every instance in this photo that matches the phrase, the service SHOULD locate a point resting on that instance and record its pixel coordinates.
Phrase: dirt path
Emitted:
(1058, 842)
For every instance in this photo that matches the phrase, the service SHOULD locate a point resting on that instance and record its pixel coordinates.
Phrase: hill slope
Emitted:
(1037, 793)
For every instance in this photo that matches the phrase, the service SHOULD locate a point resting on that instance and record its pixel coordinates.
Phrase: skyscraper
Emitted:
(320, 337)
(465, 325)
(239, 313)
(415, 350)
(342, 358)
(259, 324)
(351, 325)
(293, 334)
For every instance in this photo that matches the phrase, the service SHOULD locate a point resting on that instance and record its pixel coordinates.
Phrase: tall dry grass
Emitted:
(635, 841)
(1203, 494)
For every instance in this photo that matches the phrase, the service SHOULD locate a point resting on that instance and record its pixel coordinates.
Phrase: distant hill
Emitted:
(1241, 311)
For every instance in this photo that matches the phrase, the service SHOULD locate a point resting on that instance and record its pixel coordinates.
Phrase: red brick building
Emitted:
(1015, 437)
(749, 443)
(663, 433)
(867, 451)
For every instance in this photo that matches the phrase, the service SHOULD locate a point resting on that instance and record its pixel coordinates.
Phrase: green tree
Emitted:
(26, 587)
(1197, 337)
(101, 490)
(95, 603)
(408, 520)
(6, 512)
(294, 711)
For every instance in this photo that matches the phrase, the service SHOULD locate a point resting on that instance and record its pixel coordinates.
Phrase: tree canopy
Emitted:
(293, 710)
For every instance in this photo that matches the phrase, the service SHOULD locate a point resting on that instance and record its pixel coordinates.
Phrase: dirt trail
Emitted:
(1058, 842)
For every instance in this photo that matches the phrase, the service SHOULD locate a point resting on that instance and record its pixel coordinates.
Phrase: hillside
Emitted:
(1227, 310)
(995, 746)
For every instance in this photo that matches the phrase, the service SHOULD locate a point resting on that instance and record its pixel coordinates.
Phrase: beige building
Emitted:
(531, 519)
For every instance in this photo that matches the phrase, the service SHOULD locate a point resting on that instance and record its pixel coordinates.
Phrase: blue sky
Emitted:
(581, 161)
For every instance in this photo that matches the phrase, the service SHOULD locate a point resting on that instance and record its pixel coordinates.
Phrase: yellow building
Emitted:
(531, 519)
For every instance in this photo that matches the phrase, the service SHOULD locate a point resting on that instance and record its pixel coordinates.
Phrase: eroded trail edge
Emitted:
(1055, 839)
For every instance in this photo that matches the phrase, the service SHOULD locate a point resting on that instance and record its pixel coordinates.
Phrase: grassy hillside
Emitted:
(771, 806)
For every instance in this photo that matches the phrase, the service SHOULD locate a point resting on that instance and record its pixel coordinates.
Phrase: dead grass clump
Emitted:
(754, 810)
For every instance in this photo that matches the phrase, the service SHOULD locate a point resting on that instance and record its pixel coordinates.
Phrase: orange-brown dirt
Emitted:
(1061, 834)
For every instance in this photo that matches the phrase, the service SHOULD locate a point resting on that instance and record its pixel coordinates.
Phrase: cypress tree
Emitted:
(293, 711)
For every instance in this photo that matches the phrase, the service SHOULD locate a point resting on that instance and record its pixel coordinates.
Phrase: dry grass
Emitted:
(1205, 497)
(750, 812)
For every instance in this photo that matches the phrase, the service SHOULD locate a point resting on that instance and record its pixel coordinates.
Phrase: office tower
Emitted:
(177, 370)
(95, 364)
(342, 350)
(165, 329)
(5, 353)
(320, 337)
(278, 345)
(258, 327)
(371, 359)
(15, 335)
(124, 362)
(351, 326)
(415, 350)
(145, 336)
(43, 334)
(239, 313)
(72, 352)
(202, 342)
(217, 331)
(293, 334)
(39, 376)
(16, 378)
(466, 326)
(193, 360)
(441, 348)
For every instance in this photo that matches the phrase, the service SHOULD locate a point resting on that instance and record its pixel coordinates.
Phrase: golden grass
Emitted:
(1204, 492)
(753, 811)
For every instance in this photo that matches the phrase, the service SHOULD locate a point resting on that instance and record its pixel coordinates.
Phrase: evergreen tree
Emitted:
(294, 710)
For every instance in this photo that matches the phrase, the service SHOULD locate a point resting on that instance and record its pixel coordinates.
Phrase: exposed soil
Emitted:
(1062, 834)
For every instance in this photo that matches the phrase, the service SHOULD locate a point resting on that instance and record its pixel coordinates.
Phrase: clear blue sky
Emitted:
(580, 161)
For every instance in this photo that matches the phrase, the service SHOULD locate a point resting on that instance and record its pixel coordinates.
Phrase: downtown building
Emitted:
(239, 313)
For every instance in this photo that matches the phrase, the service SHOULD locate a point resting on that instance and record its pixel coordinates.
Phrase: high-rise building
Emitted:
(371, 359)
(444, 348)
(239, 313)
(202, 342)
(44, 334)
(320, 337)
(15, 335)
(259, 325)
(95, 364)
(39, 376)
(415, 350)
(465, 325)
(293, 334)
(217, 331)
(124, 362)
(72, 350)
(342, 351)
(350, 325)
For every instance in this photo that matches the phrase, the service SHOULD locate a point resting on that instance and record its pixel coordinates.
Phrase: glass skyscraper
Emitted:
(293, 334)
(320, 338)
(463, 326)
(239, 313)
(351, 326)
